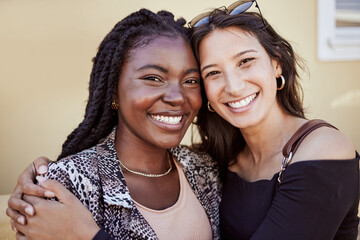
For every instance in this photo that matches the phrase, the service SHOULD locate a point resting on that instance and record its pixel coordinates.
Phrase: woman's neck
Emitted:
(261, 157)
(140, 155)
(267, 138)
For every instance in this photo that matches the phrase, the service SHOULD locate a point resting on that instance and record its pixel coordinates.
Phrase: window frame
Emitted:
(334, 43)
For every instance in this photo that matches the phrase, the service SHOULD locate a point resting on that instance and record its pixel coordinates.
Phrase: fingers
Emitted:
(32, 199)
(17, 206)
(13, 225)
(41, 165)
(35, 190)
(39, 203)
(16, 216)
(20, 236)
(18, 229)
(26, 183)
(63, 194)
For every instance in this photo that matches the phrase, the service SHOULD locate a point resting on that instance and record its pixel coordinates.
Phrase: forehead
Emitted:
(163, 50)
(226, 41)
(159, 43)
(233, 35)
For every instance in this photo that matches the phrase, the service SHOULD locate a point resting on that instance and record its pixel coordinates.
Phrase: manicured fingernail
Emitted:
(43, 169)
(49, 194)
(29, 210)
(21, 220)
(14, 228)
(41, 179)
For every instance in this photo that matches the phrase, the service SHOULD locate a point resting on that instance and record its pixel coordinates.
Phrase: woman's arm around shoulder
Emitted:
(66, 218)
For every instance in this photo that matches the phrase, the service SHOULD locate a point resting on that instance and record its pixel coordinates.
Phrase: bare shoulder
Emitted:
(325, 143)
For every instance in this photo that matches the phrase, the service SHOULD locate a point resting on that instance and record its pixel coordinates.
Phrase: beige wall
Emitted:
(45, 60)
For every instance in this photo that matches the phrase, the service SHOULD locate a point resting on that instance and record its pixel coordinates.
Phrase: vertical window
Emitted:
(338, 30)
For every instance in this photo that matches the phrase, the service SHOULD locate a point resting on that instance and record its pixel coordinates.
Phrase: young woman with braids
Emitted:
(252, 108)
(123, 161)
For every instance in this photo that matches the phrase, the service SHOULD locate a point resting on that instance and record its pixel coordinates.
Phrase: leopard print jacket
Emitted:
(96, 178)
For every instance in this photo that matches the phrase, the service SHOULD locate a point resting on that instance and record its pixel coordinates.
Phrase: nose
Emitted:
(174, 95)
(234, 84)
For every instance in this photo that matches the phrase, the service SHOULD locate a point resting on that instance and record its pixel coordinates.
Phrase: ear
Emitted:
(276, 67)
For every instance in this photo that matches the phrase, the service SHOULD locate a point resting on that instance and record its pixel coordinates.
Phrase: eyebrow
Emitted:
(207, 66)
(153, 66)
(191, 70)
(164, 70)
(233, 57)
(242, 53)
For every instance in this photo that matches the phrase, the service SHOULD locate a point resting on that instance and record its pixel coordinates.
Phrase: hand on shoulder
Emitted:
(325, 143)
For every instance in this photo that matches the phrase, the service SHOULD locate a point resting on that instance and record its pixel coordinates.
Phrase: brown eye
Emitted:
(246, 60)
(212, 73)
(152, 78)
(192, 81)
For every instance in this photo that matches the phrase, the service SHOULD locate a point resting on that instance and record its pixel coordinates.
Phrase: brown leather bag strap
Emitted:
(293, 144)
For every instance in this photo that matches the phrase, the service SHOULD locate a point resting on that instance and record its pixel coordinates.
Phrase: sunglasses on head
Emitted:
(235, 8)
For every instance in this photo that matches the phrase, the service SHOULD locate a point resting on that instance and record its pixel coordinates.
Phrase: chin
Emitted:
(245, 123)
(169, 142)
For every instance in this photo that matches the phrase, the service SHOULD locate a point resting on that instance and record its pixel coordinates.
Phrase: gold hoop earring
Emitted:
(282, 83)
(209, 107)
(114, 105)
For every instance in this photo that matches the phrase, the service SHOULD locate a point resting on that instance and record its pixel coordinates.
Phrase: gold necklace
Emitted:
(150, 174)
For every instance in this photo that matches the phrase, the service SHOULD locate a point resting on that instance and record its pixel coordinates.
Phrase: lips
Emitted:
(242, 102)
(173, 120)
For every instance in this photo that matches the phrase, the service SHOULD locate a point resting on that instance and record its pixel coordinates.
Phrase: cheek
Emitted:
(271, 83)
(195, 100)
(211, 90)
(138, 95)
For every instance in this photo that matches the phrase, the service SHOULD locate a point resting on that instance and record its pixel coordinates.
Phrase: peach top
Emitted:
(186, 219)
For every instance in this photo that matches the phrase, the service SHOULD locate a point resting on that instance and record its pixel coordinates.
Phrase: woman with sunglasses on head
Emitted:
(253, 124)
(123, 161)
(254, 102)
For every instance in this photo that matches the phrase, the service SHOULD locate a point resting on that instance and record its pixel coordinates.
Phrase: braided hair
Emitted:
(137, 29)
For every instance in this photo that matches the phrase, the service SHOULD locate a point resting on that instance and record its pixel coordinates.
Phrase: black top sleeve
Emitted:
(102, 235)
(316, 200)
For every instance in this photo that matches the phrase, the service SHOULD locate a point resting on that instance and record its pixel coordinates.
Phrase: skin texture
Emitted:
(159, 79)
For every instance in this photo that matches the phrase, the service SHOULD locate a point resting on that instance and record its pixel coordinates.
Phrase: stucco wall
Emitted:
(46, 49)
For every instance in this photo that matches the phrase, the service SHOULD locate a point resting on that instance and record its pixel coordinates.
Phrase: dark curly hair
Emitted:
(219, 138)
(135, 30)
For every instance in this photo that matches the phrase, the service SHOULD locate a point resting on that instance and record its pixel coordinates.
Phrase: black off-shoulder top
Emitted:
(317, 199)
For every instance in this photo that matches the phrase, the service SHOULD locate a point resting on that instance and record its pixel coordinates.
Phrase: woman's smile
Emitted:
(242, 102)
(170, 121)
(167, 119)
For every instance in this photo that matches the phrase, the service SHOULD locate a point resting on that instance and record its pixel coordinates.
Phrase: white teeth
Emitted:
(243, 102)
(167, 119)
